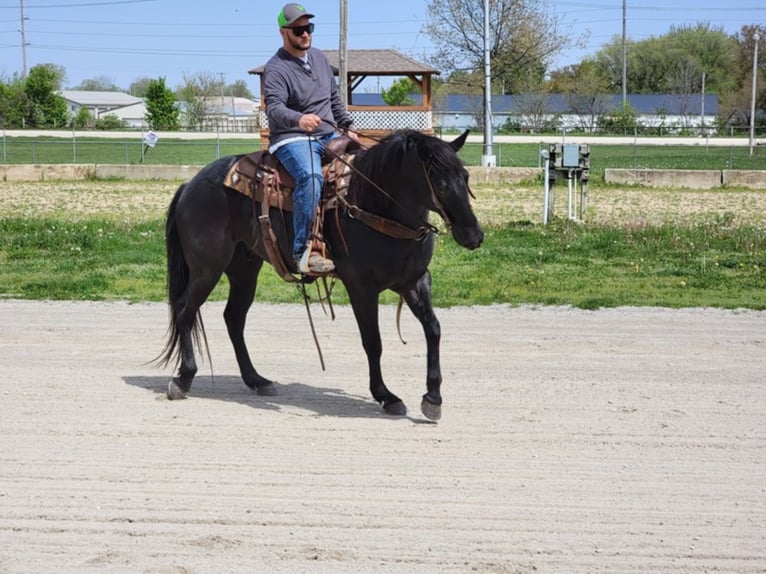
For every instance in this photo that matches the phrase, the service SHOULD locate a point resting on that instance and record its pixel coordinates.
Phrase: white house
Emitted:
(228, 113)
(97, 103)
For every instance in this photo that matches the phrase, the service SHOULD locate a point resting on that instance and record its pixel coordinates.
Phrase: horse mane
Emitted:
(389, 164)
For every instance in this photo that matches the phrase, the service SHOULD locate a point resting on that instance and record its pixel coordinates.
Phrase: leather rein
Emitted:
(387, 226)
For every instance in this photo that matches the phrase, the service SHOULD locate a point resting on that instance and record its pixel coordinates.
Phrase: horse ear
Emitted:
(458, 143)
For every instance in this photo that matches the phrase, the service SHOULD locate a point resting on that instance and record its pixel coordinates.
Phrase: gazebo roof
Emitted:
(384, 62)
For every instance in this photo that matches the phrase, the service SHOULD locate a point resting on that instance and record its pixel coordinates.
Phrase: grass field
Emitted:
(104, 240)
(199, 152)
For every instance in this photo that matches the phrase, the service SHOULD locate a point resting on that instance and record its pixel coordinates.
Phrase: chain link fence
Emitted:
(131, 149)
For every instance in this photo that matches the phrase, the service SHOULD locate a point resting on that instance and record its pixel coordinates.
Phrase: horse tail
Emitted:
(177, 284)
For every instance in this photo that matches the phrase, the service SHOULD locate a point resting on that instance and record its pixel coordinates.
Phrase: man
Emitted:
(303, 106)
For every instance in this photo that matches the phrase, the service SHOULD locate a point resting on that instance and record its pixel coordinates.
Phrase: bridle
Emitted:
(388, 226)
(385, 225)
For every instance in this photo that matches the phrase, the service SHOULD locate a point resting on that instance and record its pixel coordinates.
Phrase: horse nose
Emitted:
(479, 240)
(470, 238)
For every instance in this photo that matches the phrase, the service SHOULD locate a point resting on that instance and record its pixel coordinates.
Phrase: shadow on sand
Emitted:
(325, 402)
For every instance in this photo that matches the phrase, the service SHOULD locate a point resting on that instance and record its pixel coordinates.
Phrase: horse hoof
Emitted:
(431, 411)
(175, 392)
(397, 409)
(269, 390)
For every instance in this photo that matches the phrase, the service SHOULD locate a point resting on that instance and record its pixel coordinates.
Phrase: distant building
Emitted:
(535, 112)
(97, 103)
(225, 113)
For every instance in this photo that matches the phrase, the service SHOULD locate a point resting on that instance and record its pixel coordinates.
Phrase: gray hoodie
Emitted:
(290, 90)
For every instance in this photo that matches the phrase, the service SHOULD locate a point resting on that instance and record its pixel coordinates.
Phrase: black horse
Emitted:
(211, 230)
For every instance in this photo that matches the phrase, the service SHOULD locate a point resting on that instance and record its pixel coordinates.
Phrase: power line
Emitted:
(81, 5)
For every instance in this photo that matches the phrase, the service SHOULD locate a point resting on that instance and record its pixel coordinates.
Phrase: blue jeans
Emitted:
(303, 160)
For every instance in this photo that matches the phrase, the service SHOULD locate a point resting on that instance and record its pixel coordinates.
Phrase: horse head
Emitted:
(447, 181)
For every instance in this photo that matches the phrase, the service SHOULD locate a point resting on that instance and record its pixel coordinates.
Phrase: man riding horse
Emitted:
(303, 106)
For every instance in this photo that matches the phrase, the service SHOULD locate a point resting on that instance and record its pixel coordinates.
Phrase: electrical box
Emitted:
(570, 163)
(570, 156)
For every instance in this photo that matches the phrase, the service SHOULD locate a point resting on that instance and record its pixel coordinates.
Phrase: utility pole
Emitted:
(343, 52)
(702, 106)
(23, 42)
(624, 55)
(223, 97)
(756, 37)
(487, 157)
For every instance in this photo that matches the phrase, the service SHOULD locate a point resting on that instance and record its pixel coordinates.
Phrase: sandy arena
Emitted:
(620, 440)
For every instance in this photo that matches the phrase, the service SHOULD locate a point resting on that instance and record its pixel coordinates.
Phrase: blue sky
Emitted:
(127, 39)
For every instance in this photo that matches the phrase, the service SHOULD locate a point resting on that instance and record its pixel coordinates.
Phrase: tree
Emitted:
(735, 105)
(161, 109)
(399, 93)
(586, 93)
(13, 103)
(46, 108)
(84, 119)
(98, 84)
(197, 92)
(533, 106)
(523, 38)
(622, 121)
(139, 86)
(672, 63)
(239, 89)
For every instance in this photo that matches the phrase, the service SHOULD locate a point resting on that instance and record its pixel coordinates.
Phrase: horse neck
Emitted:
(397, 195)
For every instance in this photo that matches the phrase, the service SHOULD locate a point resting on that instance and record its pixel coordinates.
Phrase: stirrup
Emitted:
(312, 263)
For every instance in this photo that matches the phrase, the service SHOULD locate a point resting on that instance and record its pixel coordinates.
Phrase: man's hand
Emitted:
(353, 135)
(309, 122)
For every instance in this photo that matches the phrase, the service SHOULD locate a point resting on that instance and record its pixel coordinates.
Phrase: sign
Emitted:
(150, 139)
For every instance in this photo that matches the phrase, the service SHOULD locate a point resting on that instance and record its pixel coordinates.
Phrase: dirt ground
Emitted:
(620, 440)
(498, 205)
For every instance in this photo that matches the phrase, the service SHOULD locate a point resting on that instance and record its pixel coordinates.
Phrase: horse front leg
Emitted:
(365, 306)
(419, 301)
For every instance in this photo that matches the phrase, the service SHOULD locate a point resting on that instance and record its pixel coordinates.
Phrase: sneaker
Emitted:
(313, 263)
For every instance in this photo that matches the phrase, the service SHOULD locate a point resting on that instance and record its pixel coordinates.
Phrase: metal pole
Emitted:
(343, 52)
(702, 105)
(545, 154)
(756, 37)
(223, 99)
(624, 56)
(23, 42)
(487, 158)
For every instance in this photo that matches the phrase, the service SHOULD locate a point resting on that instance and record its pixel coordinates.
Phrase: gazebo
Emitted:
(375, 121)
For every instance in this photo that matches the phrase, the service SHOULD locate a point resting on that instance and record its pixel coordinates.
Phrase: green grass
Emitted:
(19, 150)
(705, 263)
(627, 156)
(129, 150)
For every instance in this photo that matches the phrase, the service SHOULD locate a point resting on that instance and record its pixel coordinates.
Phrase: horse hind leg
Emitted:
(243, 279)
(190, 331)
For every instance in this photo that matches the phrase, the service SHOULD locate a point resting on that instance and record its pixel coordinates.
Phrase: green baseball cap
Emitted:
(290, 13)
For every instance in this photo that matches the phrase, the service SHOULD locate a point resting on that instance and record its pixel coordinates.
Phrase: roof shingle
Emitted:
(384, 62)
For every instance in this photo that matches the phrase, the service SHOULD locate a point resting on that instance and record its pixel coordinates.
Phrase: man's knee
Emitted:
(309, 179)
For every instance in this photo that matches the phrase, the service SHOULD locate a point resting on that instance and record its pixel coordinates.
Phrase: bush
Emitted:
(110, 122)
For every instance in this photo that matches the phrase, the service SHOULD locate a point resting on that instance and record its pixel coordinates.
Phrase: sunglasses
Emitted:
(300, 30)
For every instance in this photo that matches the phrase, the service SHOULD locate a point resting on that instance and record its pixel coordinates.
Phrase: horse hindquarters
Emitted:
(197, 254)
